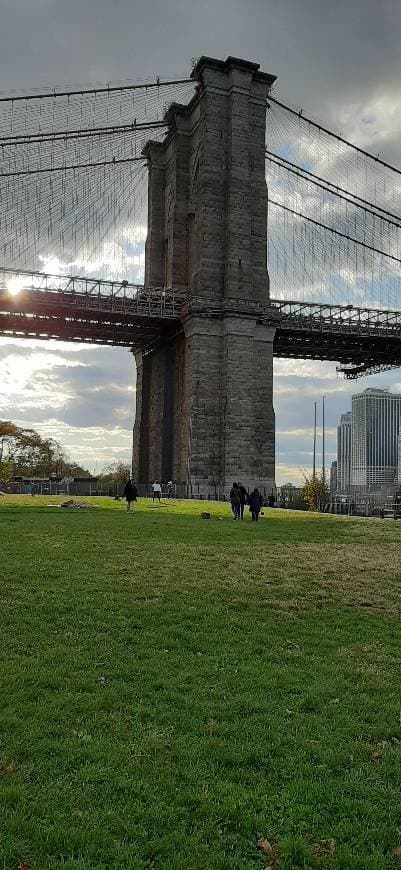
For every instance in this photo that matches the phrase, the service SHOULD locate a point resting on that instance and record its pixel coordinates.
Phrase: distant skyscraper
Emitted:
(333, 477)
(344, 453)
(374, 440)
(399, 459)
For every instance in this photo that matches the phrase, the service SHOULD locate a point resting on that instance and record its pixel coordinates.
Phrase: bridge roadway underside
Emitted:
(87, 319)
(362, 338)
(367, 351)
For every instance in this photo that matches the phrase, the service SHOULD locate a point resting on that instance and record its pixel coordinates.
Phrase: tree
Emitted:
(314, 492)
(24, 452)
(114, 476)
(72, 469)
(8, 446)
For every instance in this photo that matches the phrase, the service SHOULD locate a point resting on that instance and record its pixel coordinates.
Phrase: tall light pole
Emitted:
(314, 446)
(323, 445)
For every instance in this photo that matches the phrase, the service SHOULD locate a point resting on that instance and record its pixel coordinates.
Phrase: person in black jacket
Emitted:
(255, 504)
(130, 494)
(235, 501)
(243, 498)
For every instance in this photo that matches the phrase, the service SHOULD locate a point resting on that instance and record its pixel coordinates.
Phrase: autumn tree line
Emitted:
(24, 453)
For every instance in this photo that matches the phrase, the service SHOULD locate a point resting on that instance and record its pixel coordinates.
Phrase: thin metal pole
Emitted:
(314, 446)
(323, 445)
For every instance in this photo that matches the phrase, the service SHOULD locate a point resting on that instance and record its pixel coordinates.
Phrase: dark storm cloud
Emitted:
(336, 60)
(320, 51)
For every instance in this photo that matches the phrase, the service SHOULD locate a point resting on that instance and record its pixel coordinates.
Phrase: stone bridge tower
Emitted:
(204, 413)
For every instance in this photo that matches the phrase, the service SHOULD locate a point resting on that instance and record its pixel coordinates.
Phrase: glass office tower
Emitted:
(374, 438)
(344, 453)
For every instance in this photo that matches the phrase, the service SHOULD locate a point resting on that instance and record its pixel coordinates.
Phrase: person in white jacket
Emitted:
(157, 490)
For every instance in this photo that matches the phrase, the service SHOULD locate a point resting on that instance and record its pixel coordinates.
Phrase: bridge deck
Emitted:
(364, 338)
(127, 315)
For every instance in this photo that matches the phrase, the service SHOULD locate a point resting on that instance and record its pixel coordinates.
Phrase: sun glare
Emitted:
(15, 285)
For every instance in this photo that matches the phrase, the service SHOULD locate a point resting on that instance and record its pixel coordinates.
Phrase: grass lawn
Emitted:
(175, 690)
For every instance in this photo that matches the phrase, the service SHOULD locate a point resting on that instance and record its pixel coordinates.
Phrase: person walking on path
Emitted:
(235, 501)
(157, 490)
(130, 494)
(255, 504)
(170, 489)
(243, 495)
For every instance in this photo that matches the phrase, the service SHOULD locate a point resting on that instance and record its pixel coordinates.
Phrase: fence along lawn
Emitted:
(198, 694)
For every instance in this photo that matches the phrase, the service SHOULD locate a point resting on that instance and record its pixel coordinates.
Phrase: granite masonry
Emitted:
(204, 413)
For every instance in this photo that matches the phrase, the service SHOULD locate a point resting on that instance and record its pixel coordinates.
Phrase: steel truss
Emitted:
(40, 288)
(361, 339)
(70, 308)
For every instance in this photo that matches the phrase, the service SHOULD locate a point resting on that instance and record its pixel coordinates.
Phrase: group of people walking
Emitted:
(239, 497)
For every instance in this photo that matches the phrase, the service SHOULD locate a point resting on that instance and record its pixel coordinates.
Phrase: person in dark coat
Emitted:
(243, 499)
(130, 494)
(255, 504)
(235, 501)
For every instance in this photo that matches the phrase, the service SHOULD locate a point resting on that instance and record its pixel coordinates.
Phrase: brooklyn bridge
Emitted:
(267, 234)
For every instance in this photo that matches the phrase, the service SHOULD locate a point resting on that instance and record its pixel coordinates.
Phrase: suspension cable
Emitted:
(323, 184)
(300, 115)
(112, 162)
(106, 90)
(332, 230)
(41, 138)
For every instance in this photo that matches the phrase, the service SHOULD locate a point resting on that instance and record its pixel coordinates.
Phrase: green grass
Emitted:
(173, 690)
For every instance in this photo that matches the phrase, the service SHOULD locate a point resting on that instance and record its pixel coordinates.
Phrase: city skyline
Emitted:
(369, 441)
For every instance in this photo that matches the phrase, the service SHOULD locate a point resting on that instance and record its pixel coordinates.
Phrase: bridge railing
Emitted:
(33, 293)
(89, 293)
(15, 280)
(312, 316)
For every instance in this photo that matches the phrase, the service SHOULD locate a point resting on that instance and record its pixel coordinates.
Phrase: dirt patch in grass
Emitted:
(293, 577)
(358, 576)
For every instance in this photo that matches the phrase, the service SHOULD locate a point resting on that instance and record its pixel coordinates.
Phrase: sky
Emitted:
(340, 62)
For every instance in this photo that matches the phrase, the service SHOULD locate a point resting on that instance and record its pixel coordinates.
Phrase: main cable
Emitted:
(300, 115)
(332, 230)
(74, 166)
(105, 90)
(341, 192)
(41, 138)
